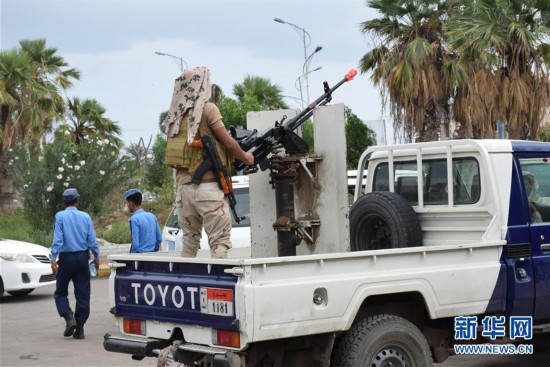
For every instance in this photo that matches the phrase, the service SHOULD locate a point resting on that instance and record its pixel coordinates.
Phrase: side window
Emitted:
(405, 180)
(466, 179)
(536, 179)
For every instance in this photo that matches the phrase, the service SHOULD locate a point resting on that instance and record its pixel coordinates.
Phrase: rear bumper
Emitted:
(185, 353)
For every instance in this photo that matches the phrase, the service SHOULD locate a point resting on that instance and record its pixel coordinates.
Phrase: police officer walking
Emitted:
(144, 227)
(73, 238)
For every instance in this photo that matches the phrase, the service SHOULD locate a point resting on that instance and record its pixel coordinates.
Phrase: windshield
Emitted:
(243, 210)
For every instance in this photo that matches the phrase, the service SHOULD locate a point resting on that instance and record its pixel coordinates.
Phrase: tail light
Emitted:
(134, 326)
(227, 338)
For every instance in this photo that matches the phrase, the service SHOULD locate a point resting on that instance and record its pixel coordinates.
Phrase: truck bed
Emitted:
(271, 298)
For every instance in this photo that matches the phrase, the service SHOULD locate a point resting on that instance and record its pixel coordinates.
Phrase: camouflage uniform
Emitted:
(204, 204)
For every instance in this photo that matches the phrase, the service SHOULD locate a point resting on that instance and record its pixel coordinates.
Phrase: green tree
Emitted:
(31, 80)
(85, 119)
(268, 95)
(503, 56)
(408, 63)
(92, 167)
(158, 173)
(358, 137)
(234, 112)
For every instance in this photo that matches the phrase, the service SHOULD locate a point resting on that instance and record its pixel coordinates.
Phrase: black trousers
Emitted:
(73, 266)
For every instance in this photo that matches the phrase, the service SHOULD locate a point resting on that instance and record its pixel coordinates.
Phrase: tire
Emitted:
(382, 220)
(21, 293)
(383, 340)
(1, 287)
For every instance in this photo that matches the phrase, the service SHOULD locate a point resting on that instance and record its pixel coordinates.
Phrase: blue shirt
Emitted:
(73, 231)
(144, 228)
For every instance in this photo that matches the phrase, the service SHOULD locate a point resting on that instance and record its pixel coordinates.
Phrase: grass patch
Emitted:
(16, 227)
(112, 227)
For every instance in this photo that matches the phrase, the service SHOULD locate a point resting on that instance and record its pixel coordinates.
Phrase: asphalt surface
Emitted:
(31, 334)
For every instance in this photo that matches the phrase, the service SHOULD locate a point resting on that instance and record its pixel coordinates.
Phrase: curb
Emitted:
(104, 270)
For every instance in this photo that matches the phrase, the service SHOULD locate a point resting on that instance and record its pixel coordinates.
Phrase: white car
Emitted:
(172, 235)
(23, 267)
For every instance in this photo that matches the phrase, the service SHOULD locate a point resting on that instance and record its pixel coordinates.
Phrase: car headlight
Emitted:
(23, 258)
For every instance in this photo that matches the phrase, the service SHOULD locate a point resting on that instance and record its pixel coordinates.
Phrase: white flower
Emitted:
(106, 141)
(25, 186)
(76, 167)
(50, 188)
(68, 179)
(66, 184)
(10, 150)
(100, 143)
(69, 166)
(60, 169)
(40, 158)
(59, 177)
(67, 132)
(102, 173)
(82, 163)
(112, 154)
(62, 160)
(16, 158)
(64, 154)
(10, 163)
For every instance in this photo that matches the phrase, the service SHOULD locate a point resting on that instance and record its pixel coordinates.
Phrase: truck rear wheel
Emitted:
(382, 220)
(383, 340)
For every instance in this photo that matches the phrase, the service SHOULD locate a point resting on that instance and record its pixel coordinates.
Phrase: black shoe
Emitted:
(79, 332)
(70, 324)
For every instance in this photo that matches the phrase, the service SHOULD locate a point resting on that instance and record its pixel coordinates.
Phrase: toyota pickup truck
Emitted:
(462, 238)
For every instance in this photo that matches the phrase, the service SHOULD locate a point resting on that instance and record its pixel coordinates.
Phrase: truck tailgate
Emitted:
(178, 292)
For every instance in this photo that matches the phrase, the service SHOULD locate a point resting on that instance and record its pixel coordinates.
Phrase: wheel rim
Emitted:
(376, 234)
(391, 356)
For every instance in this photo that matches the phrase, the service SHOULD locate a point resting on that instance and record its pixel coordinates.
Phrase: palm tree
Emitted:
(266, 93)
(138, 152)
(85, 119)
(408, 64)
(502, 66)
(31, 79)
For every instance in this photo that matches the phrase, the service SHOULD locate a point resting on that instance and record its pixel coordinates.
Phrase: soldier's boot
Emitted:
(70, 324)
(79, 332)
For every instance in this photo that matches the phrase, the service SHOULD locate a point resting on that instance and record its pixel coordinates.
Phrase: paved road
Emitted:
(31, 335)
(31, 332)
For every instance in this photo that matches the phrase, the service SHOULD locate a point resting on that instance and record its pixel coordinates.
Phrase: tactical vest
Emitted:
(181, 155)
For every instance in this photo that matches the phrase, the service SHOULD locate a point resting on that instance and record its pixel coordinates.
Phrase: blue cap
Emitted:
(70, 195)
(131, 192)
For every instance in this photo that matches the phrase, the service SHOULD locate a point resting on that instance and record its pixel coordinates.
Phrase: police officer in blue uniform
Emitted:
(73, 238)
(144, 227)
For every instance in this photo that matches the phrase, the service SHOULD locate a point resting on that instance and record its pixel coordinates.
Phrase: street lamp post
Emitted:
(305, 69)
(299, 82)
(181, 60)
(306, 41)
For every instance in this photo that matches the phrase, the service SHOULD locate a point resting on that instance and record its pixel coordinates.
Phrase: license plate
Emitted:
(215, 301)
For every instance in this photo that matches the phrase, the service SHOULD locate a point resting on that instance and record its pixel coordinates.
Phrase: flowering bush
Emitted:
(93, 167)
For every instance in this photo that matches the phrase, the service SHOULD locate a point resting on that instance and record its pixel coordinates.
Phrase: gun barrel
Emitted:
(303, 116)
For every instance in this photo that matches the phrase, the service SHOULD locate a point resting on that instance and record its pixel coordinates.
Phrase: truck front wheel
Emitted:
(383, 340)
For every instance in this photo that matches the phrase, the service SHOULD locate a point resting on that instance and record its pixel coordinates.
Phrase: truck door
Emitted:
(535, 171)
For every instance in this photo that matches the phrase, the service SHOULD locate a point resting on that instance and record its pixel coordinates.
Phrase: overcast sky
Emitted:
(113, 44)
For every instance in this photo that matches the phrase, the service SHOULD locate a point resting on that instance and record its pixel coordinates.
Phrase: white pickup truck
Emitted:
(464, 234)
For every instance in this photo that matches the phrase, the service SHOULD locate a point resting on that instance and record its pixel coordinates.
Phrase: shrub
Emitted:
(93, 167)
